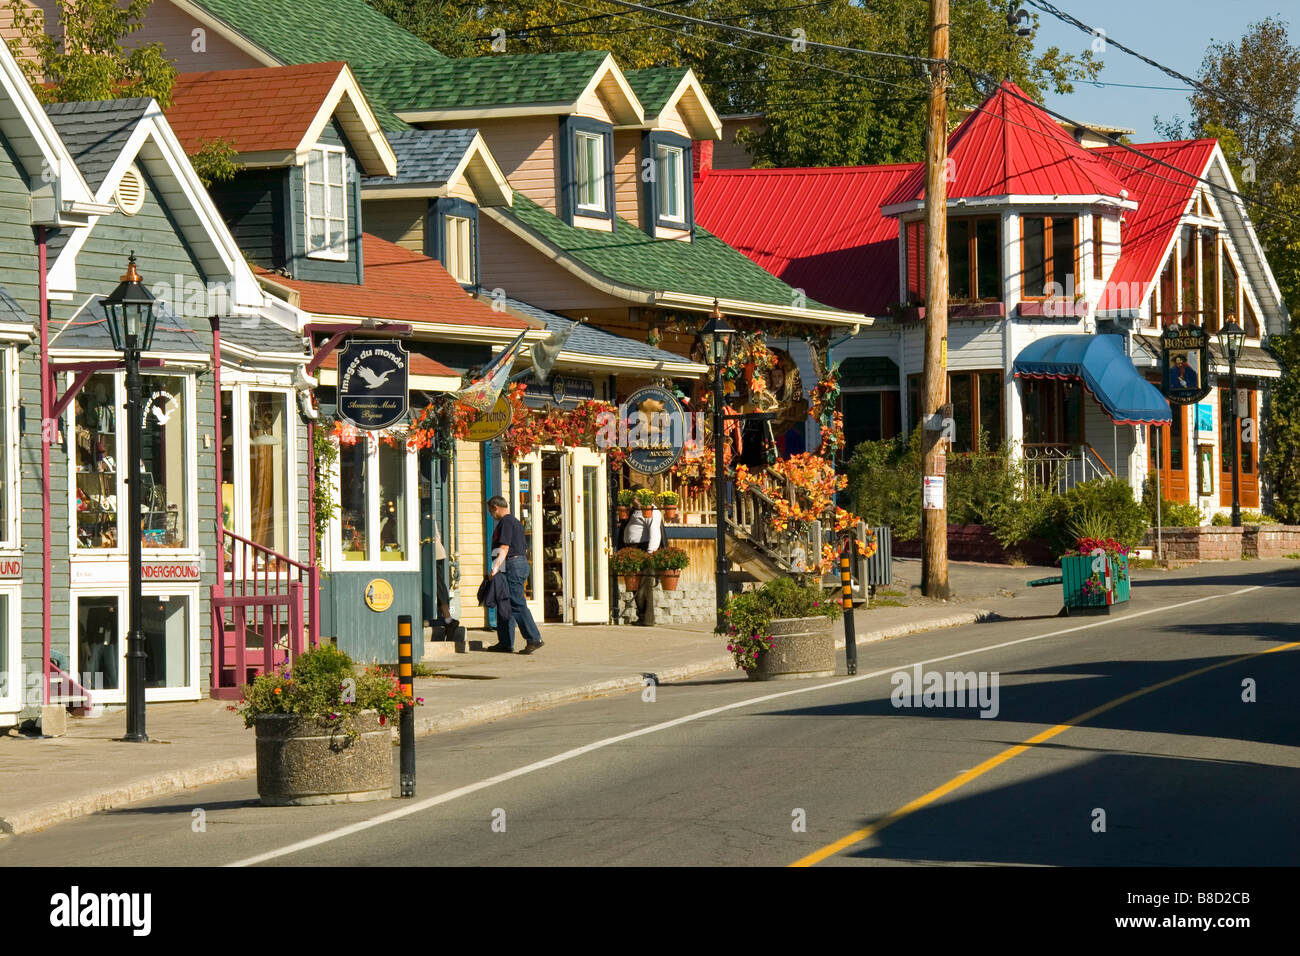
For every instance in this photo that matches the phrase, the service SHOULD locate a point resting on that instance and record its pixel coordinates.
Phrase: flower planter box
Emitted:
(1075, 570)
(802, 647)
(306, 761)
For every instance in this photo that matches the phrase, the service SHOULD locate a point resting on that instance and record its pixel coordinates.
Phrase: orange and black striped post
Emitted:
(846, 580)
(406, 723)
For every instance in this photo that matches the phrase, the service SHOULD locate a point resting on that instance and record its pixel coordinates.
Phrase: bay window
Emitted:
(975, 258)
(1048, 258)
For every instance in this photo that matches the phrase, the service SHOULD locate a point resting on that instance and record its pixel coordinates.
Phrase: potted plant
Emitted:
(324, 731)
(782, 630)
(1094, 574)
(669, 562)
(645, 499)
(668, 501)
(630, 563)
(624, 503)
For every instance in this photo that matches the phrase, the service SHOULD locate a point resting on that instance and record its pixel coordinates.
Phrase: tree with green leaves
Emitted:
(1251, 104)
(821, 107)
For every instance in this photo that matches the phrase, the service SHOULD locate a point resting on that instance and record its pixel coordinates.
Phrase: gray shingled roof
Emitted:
(10, 310)
(1252, 358)
(425, 155)
(88, 329)
(587, 340)
(95, 133)
(264, 336)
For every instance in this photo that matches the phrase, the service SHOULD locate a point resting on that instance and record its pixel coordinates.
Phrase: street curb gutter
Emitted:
(223, 771)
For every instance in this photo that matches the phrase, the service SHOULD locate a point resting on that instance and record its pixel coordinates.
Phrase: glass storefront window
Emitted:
(164, 457)
(354, 505)
(268, 473)
(166, 624)
(95, 454)
(392, 502)
(9, 682)
(99, 650)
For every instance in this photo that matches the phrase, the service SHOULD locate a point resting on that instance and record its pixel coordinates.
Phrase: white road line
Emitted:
(567, 755)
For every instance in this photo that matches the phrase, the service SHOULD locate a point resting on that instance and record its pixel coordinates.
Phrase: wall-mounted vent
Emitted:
(129, 195)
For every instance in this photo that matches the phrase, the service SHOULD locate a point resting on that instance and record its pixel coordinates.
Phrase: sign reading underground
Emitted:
(656, 429)
(372, 383)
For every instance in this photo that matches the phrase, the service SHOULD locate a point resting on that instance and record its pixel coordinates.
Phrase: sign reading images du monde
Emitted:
(1184, 351)
(372, 383)
(655, 429)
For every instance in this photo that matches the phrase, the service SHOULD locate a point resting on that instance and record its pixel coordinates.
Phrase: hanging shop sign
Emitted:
(379, 595)
(372, 390)
(559, 390)
(652, 429)
(1184, 352)
(492, 424)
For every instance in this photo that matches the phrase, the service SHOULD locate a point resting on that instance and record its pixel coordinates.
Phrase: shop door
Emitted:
(1173, 456)
(526, 505)
(588, 537)
(1242, 441)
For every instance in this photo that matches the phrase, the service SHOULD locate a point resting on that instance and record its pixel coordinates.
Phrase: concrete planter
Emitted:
(802, 647)
(306, 761)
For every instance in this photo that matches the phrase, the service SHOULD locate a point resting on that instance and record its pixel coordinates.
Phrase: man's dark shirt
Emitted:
(510, 533)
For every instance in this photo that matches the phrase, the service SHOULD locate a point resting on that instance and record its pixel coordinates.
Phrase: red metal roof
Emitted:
(1162, 195)
(1009, 147)
(818, 229)
(400, 286)
(268, 108)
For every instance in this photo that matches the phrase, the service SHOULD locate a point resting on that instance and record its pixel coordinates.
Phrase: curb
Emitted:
(223, 771)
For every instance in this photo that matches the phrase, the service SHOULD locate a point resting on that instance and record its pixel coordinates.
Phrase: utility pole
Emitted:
(934, 385)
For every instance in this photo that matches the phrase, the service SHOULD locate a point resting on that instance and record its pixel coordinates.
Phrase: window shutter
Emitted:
(916, 261)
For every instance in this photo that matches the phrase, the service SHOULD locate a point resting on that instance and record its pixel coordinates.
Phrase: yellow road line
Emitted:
(857, 836)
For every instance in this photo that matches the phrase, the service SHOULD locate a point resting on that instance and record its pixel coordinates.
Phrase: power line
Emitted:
(1064, 17)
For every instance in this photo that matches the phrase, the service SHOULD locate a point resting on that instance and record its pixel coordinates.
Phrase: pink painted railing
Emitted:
(264, 604)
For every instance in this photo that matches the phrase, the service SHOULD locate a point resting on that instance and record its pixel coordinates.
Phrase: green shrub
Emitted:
(1105, 506)
(1223, 519)
(885, 484)
(1173, 514)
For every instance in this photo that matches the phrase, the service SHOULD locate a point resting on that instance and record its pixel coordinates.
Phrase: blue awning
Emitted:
(1100, 363)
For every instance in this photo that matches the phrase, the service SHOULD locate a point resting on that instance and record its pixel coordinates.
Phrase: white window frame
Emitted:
(336, 246)
(12, 691)
(372, 561)
(459, 248)
(675, 154)
(192, 530)
(11, 527)
(594, 178)
(241, 523)
(121, 591)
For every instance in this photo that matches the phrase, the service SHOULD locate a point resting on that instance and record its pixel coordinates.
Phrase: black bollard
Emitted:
(846, 579)
(406, 723)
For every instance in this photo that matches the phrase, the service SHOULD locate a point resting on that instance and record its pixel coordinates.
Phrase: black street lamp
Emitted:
(717, 336)
(1231, 339)
(131, 320)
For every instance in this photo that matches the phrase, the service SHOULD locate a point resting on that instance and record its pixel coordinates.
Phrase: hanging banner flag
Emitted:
(545, 353)
(372, 391)
(482, 393)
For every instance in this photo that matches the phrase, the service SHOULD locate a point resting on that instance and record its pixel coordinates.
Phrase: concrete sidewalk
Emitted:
(46, 781)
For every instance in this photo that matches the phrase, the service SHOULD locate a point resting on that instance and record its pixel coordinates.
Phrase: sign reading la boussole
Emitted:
(373, 377)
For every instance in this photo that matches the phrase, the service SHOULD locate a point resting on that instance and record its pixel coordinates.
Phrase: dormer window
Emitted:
(459, 261)
(667, 194)
(326, 205)
(452, 238)
(586, 172)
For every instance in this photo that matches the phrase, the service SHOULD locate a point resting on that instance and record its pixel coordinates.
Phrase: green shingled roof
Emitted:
(316, 31)
(481, 81)
(653, 86)
(706, 267)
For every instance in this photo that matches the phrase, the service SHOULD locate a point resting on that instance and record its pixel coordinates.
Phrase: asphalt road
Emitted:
(1169, 765)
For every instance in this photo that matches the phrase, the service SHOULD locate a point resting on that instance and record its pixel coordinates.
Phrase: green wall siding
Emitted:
(18, 259)
(365, 634)
(253, 208)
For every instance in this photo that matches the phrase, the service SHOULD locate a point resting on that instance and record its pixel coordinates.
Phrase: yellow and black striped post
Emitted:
(846, 581)
(406, 722)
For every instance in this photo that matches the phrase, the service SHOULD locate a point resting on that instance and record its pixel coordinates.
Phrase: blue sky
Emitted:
(1170, 32)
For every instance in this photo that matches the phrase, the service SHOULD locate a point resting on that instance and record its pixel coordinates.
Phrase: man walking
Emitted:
(510, 557)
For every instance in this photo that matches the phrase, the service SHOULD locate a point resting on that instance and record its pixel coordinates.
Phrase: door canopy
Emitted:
(1109, 375)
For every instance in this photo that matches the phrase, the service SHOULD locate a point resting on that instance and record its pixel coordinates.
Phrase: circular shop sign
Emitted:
(492, 424)
(379, 595)
(652, 430)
